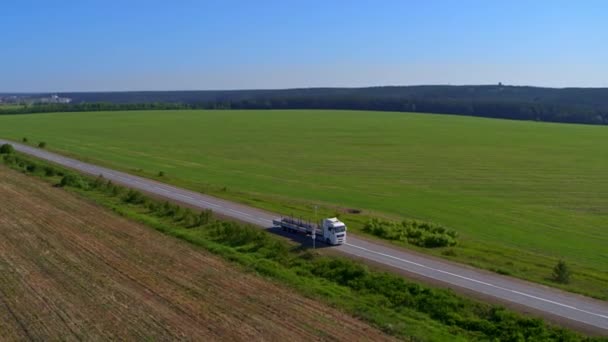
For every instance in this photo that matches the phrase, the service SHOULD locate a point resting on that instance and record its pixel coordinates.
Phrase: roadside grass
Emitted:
(397, 306)
(521, 195)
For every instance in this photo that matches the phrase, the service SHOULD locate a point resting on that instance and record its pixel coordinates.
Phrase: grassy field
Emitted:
(72, 270)
(520, 194)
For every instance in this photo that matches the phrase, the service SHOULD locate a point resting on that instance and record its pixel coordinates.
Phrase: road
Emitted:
(566, 307)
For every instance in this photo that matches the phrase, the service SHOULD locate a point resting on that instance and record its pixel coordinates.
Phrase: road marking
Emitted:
(478, 281)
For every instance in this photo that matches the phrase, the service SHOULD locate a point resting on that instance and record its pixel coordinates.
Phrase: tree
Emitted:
(561, 272)
(7, 149)
(42, 144)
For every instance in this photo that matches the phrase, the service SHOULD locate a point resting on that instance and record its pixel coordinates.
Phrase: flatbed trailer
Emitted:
(331, 230)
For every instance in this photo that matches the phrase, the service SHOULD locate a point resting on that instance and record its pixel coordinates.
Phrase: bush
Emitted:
(561, 272)
(73, 181)
(42, 144)
(134, 197)
(115, 190)
(204, 217)
(189, 219)
(99, 182)
(161, 174)
(24, 140)
(49, 171)
(9, 159)
(166, 209)
(7, 149)
(422, 234)
(31, 168)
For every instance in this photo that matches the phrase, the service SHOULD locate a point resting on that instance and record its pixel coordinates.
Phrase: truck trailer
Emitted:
(331, 230)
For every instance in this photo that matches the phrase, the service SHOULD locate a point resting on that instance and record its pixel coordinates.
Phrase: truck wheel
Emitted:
(327, 241)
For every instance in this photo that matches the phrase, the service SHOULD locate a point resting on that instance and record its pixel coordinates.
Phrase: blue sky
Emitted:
(171, 45)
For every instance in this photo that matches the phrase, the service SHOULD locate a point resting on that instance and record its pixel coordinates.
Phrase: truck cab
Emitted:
(334, 231)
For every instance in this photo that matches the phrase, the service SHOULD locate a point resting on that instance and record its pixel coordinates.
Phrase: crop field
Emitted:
(70, 270)
(521, 195)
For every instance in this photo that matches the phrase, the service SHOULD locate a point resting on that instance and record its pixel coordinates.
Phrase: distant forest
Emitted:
(573, 105)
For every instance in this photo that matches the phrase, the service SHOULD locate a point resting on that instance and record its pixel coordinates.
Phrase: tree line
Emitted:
(587, 106)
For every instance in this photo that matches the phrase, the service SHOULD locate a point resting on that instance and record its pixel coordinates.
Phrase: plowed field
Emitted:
(71, 270)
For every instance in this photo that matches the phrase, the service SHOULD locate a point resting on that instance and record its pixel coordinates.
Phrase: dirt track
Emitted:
(70, 270)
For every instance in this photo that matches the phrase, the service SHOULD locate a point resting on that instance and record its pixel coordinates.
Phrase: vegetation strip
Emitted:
(495, 101)
(397, 306)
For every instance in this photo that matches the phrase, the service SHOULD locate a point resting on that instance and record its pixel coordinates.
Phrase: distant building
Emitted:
(53, 99)
(22, 99)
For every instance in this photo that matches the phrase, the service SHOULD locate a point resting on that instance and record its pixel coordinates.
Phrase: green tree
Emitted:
(7, 149)
(561, 272)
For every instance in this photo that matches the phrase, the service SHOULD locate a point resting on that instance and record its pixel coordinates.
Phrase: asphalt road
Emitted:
(553, 303)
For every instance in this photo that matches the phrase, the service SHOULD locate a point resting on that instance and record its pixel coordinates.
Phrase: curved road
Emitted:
(584, 311)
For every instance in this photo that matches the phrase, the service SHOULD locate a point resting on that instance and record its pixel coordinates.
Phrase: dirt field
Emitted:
(70, 270)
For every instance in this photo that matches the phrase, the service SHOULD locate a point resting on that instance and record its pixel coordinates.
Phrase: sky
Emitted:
(57, 46)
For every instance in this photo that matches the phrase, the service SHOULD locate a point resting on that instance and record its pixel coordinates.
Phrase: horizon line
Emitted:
(294, 88)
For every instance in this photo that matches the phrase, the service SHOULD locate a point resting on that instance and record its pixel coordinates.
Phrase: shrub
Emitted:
(204, 217)
(7, 149)
(9, 159)
(116, 190)
(161, 174)
(449, 252)
(73, 181)
(49, 171)
(165, 209)
(422, 234)
(134, 197)
(99, 182)
(561, 272)
(42, 144)
(189, 219)
(24, 140)
(178, 212)
(31, 168)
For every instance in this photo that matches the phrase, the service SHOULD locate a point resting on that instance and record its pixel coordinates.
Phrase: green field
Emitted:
(521, 194)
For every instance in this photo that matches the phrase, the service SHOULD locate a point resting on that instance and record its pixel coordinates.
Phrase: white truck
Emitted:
(331, 230)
